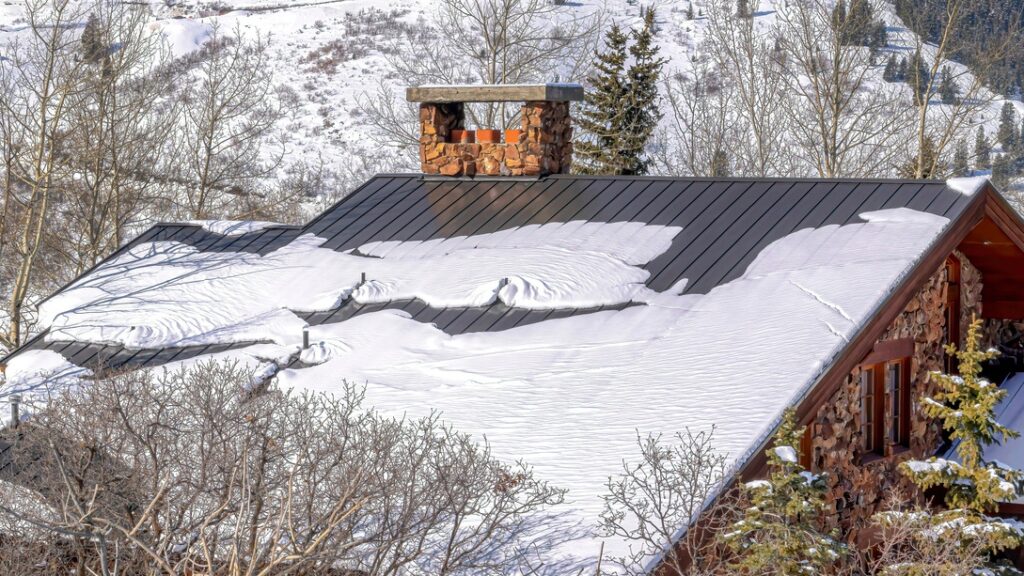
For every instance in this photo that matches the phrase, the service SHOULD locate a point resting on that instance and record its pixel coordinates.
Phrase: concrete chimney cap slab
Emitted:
(552, 92)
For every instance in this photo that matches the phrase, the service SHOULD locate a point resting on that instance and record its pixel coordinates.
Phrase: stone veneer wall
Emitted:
(857, 490)
(544, 148)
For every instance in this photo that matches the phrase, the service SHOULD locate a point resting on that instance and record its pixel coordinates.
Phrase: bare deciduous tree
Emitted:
(751, 60)
(39, 77)
(229, 110)
(190, 473)
(845, 124)
(669, 490)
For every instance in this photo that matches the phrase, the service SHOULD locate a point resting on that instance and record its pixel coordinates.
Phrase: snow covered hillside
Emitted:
(331, 56)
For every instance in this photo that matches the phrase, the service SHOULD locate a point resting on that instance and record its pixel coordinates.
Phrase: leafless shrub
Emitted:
(662, 505)
(187, 473)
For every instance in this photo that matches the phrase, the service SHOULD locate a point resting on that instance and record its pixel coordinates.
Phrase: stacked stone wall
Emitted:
(545, 146)
(860, 483)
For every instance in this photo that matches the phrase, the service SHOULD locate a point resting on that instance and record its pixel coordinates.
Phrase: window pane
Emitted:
(895, 385)
(867, 408)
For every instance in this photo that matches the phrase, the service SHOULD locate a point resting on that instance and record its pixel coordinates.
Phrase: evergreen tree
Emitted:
(93, 46)
(926, 156)
(1003, 170)
(743, 9)
(948, 89)
(919, 79)
(962, 159)
(720, 164)
(643, 110)
(782, 529)
(602, 116)
(689, 11)
(622, 110)
(966, 406)
(982, 150)
(1007, 134)
(890, 74)
(901, 72)
(879, 35)
(839, 20)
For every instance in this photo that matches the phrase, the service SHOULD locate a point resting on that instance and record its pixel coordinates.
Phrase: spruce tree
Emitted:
(919, 79)
(643, 111)
(93, 46)
(839, 21)
(743, 9)
(901, 72)
(1003, 170)
(720, 164)
(689, 11)
(890, 72)
(1007, 134)
(782, 529)
(948, 89)
(982, 150)
(965, 405)
(962, 159)
(602, 116)
(925, 157)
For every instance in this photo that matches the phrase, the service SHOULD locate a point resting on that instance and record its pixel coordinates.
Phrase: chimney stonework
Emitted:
(544, 147)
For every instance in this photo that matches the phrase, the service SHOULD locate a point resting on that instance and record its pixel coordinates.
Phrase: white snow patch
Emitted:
(967, 186)
(184, 35)
(35, 375)
(170, 294)
(786, 454)
(232, 227)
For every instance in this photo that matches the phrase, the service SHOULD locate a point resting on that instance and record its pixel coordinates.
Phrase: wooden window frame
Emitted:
(953, 311)
(872, 403)
(807, 449)
(899, 402)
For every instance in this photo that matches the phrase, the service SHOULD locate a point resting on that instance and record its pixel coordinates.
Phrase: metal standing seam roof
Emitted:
(725, 224)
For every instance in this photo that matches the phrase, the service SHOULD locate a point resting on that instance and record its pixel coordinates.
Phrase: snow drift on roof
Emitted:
(968, 186)
(569, 395)
(171, 294)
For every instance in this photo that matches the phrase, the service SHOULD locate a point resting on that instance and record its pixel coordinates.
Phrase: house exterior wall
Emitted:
(859, 483)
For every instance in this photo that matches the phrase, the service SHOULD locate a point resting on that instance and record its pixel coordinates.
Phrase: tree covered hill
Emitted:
(985, 26)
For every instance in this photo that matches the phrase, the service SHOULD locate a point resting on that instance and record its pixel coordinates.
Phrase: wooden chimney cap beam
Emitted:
(496, 93)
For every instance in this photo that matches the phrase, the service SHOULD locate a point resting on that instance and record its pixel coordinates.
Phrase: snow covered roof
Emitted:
(555, 317)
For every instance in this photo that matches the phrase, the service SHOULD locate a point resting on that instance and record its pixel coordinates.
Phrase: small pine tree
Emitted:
(1003, 170)
(901, 72)
(919, 79)
(720, 164)
(602, 115)
(927, 159)
(689, 11)
(782, 529)
(879, 35)
(962, 159)
(948, 90)
(965, 405)
(890, 74)
(982, 150)
(93, 46)
(839, 20)
(1007, 134)
(643, 111)
(743, 9)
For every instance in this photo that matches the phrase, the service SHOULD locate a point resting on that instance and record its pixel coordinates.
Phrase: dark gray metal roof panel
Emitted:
(725, 224)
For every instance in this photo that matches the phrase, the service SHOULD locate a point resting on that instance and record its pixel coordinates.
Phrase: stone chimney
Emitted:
(545, 141)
